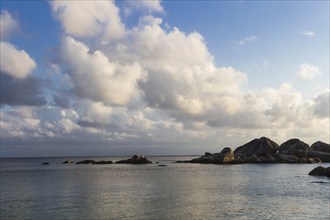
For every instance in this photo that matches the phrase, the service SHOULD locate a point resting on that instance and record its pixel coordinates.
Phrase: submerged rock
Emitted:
(320, 171)
(135, 159)
(45, 163)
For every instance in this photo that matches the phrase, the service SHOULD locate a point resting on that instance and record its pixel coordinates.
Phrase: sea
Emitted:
(30, 190)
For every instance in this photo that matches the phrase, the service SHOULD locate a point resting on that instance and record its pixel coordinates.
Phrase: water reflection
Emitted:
(178, 191)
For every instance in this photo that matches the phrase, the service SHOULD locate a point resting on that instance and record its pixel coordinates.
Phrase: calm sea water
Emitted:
(30, 190)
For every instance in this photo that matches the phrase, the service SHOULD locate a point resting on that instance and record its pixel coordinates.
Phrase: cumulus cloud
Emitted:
(95, 77)
(245, 40)
(322, 102)
(89, 18)
(182, 78)
(95, 114)
(14, 62)
(18, 86)
(8, 25)
(151, 86)
(308, 72)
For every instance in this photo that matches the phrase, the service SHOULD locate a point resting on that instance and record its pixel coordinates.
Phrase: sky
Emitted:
(94, 78)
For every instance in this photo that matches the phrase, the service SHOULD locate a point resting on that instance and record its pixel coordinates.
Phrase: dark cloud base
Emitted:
(21, 92)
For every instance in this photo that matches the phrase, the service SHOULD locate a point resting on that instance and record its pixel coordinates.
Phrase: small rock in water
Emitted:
(320, 171)
(45, 163)
(135, 159)
(103, 162)
(68, 162)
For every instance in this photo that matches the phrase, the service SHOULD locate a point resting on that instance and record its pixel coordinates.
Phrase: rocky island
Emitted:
(264, 150)
(135, 159)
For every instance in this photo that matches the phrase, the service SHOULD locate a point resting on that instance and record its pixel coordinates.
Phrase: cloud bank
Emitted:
(145, 85)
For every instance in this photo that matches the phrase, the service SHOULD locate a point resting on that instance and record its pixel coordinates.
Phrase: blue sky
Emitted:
(162, 77)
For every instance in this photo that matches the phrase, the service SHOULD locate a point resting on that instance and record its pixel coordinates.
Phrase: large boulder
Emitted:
(135, 159)
(320, 171)
(286, 158)
(320, 146)
(323, 156)
(257, 147)
(320, 150)
(294, 147)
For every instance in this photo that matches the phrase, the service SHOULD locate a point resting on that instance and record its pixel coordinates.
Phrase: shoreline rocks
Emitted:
(135, 159)
(94, 162)
(103, 162)
(264, 150)
(86, 162)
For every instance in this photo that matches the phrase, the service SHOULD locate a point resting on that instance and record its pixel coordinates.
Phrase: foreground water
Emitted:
(30, 190)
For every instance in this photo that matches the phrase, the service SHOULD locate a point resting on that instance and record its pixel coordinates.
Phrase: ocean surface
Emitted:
(30, 190)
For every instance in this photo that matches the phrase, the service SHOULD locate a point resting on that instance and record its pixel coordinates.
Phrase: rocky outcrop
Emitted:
(320, 146)
(257, 151)
(257, 147)
(67, 162)
(320, 150)
(264, 150)
(323, 156)
(225, 156)
(294, 147)
(86, 162)
(135, 159)
(320, 171)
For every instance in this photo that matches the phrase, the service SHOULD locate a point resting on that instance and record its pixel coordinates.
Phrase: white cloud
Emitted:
(308, 72)
(14, 62)
(246, 40)
(95, 77)
(95, 114)
(182, 78)
(308, 33)
(321, 107)
(155, 86)
(8, 25)
(89, 18)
